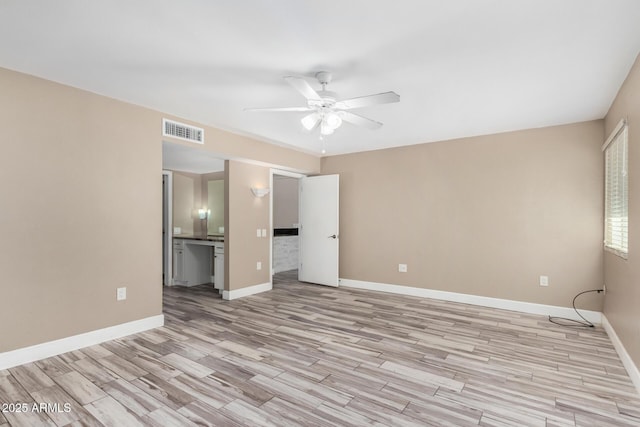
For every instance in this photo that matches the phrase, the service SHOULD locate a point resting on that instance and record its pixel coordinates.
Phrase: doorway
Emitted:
(311, 236)
(186, 172)
(285, 207)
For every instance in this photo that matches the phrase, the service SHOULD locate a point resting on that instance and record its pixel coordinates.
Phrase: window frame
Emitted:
(616, 191)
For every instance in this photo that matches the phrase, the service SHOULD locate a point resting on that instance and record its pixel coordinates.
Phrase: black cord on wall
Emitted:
(584, 323)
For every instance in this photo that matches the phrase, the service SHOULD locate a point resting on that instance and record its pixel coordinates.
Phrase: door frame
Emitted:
(281, 173)
(168, 236)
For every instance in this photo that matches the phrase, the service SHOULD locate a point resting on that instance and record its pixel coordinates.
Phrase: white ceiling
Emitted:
(461, 67)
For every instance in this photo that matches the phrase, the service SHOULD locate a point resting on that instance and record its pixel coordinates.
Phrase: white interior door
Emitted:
(319, 229)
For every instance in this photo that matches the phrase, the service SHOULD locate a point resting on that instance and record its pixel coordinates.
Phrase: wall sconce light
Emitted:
(260, 192)
(204, 214)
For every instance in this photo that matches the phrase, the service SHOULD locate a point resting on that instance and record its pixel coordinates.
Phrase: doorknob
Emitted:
(333, 236)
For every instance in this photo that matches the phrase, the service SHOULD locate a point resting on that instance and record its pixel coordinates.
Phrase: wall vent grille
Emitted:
(182, 131)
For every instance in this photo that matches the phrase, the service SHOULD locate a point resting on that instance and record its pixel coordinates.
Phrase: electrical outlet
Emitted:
(402, 268)
(258, 265)
(258, 233)
(544, 280)
(604, 289)
(121, 294)
(264, 232)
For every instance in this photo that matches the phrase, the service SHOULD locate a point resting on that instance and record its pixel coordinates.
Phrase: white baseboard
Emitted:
(632, 369)
(505, 304)
(245, 292)
(24, 355)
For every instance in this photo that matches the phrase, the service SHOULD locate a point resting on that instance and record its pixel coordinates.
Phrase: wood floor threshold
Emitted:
(305, 355)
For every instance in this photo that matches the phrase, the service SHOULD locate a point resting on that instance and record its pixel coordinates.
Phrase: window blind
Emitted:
(616, 237)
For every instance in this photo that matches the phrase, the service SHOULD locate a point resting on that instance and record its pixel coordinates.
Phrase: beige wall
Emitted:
(245, 214)
(285, 201)
(81, 195)
(622, 277)
(240, 148)
(85, 215)
(484, 216)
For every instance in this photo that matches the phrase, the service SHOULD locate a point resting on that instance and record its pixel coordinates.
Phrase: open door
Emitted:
(319, 230)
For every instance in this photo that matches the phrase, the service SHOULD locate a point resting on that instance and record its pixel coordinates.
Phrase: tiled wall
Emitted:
(285, 253)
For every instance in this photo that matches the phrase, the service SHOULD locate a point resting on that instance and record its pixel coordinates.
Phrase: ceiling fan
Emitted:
(326, 111)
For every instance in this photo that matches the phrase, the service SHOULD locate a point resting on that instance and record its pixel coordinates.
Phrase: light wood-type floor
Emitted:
(306, 355)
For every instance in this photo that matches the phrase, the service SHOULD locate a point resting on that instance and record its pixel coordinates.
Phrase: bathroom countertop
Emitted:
(210, 237)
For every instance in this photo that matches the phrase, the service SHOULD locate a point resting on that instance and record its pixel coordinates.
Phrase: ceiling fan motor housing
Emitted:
(327, 99)
(324, 77)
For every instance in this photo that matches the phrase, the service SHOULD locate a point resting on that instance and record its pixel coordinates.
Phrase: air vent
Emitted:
(182, 131)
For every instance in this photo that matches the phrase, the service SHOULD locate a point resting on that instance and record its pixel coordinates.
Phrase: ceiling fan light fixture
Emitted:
(325, 129)
(310, 121)
(332, 120)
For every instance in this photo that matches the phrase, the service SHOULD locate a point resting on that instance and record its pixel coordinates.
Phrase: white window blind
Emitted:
(616, 213)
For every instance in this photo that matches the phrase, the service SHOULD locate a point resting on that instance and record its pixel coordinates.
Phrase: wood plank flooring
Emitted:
(306, 355)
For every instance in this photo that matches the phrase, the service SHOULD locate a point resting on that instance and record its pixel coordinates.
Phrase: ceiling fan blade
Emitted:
(359, 120)
(284, 109)
(302, 86)
(365, 101)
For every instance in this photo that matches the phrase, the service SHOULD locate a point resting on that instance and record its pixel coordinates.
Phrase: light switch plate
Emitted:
(264, 232)
(258, 233)
(258, 265)
(121, 294)
(544, 280)
(402, 268)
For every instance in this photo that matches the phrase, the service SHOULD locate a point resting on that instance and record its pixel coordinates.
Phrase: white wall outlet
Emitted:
(258, 265)
(604, 289)
(121, 294)
(264, 232)
(544, 280)
(402, 268)
(258, 232)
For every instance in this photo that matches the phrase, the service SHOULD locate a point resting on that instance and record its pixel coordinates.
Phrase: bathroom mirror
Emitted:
(215, 197)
